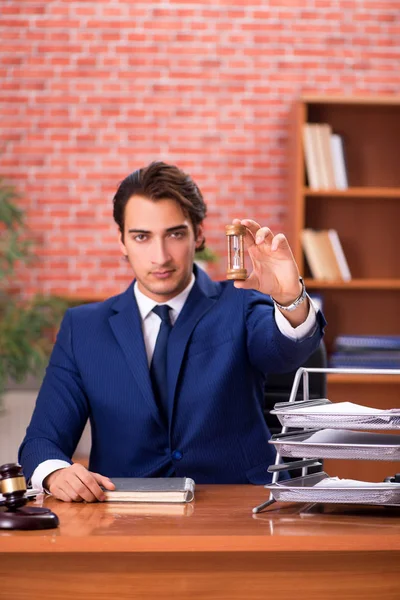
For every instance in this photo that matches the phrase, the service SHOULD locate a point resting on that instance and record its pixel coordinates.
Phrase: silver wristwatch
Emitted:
(298, 300)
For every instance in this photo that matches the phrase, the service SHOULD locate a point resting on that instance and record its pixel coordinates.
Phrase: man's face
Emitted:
(160, 243)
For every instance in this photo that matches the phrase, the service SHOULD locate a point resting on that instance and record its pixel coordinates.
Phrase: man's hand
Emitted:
(275, 271)
(75, 484)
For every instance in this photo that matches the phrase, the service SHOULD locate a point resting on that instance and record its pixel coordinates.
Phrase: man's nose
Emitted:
(160, 253)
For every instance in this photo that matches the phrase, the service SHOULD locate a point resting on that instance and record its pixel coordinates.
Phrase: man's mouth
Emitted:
(162, 273)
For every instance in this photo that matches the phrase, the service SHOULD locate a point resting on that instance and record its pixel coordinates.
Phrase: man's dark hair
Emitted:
(160, 181)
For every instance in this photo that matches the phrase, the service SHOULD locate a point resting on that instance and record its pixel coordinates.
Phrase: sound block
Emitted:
(29, 517)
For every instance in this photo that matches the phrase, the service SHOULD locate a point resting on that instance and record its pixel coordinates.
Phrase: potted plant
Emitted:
(26, 325)
(204, 257)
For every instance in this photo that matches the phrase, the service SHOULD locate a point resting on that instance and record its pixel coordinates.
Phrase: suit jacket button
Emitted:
(177, 455)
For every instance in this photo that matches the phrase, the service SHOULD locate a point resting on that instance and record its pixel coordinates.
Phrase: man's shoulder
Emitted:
(101, 309)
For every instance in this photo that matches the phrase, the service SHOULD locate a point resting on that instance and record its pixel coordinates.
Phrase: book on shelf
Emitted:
(324, 254)
(324, 157)
(339, 164)
(384, 359)
(317, 300)
(311, 156)
(151, 489)
(339, 254)
(366, 342)
(324, 134)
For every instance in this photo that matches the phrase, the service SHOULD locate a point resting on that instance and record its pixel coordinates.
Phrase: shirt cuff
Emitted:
(44, 469)
(302, 331)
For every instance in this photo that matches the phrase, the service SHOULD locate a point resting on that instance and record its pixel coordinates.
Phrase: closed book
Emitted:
(325, 133)
(340, 256)
(320, 255)
(331, 265)
(375, 342)
(339, 165)
(310, 157)
(324, 155)
(317, 300)
(368, 360)
(151, 489)
(312, 254)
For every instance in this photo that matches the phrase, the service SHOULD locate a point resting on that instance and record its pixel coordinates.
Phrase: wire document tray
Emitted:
(328, 434)
(320, 416)
(336, 443)
(310, 488)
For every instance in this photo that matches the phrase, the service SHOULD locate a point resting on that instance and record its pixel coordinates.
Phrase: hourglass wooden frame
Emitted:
(235, 271)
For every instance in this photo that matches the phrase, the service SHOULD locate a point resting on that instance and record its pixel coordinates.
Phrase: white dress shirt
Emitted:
(150, 327)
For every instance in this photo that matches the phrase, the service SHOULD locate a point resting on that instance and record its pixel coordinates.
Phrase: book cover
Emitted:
(385, 359)
(339, 165)
(311, 252)
(321, 165)
(325, 133)
(151, 489)
(340, 256)
(317, 300)
(320, 255)
(310, 158)
(331, 265)
(376, 342)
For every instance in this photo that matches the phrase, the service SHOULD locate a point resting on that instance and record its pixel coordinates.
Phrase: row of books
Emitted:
(324, 254)
(368, 352)
(324, 157)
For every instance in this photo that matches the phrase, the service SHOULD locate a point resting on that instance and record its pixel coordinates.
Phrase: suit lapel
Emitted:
(127, 328)
(202, 297)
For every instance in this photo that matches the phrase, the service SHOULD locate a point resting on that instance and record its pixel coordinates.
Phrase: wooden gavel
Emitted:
(17, 516)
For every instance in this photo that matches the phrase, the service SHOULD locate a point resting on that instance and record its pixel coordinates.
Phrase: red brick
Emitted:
(91, 91)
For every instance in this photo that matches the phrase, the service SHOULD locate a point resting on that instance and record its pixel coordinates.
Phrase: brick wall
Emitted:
(91, 90)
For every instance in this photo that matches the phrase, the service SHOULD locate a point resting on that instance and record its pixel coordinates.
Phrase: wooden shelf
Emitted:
(366, 217)
(361, 99)
(355, 192)
(364, 379)
(354, 284)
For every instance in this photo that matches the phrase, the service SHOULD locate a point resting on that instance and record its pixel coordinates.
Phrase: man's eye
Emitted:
(178, 235)
(140, 237)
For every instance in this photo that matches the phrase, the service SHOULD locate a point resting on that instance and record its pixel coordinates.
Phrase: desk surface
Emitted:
(213, 548)
(220, 519)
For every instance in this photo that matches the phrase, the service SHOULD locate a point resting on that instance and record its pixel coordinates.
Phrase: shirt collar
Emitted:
(146, 304)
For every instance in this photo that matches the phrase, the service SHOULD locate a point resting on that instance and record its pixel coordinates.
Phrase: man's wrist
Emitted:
(291, 304)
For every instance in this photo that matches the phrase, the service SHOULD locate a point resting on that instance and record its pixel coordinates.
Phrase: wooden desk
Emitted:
(212, 548)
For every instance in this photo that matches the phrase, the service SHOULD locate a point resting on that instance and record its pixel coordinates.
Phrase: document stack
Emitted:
(334, 431)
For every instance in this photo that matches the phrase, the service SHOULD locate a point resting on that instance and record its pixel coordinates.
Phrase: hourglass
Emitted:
(235, 236)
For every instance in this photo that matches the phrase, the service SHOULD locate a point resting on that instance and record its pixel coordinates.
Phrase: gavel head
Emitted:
(13, 486)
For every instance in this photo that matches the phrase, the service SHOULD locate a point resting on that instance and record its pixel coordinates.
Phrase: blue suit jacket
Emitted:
(223, 344)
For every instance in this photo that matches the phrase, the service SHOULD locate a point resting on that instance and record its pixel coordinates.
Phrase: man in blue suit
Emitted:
(193, 408)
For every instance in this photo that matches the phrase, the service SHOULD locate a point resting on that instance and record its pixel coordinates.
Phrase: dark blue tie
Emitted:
(158, 368)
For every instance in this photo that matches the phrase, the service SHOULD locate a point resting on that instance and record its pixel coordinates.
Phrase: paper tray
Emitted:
(301, 489)
(289, 418)
(341, 444)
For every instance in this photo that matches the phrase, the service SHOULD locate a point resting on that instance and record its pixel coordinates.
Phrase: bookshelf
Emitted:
(366, 216)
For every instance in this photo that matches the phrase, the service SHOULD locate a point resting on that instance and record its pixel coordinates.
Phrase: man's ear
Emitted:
(200, 236)
(122, 245)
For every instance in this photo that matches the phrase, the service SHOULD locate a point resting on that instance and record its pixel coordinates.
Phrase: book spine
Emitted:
(321, 156)
(310, 157)
(332, 269)
(339, 165)
(382, 342)
(340, 256)
(365, 364)
(310, 248)
(325, 132)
